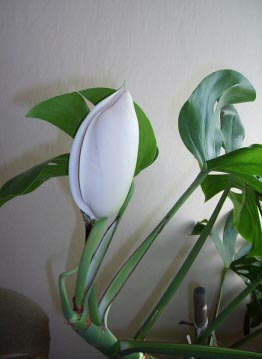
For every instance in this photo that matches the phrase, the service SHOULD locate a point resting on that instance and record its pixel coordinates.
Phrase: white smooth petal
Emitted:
(108, 157)
(76, 151)
(73, 168)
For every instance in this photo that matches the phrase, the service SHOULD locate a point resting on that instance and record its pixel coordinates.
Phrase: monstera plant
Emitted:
(112, 143)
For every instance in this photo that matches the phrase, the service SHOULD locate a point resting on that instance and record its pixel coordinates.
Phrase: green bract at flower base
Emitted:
(211, 129)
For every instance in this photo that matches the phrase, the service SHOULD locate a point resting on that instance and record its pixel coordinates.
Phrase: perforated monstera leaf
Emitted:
(243, 170)
(250, 269)
(199, 118)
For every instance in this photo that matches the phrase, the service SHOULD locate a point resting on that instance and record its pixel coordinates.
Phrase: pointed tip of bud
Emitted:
(123, 87)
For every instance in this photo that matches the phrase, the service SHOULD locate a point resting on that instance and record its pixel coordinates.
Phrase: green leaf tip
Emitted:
(31, 179)
(65, 112)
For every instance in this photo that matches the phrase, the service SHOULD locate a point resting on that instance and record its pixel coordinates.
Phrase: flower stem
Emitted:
(87, 254)
(185, 350)
(126, 270)
(170, 291)
(220, 293)
(225, 270)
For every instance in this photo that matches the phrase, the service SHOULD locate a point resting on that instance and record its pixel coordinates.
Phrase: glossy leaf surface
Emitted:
(229, 239)
(246, 215)
(247, 219)
(249, 268)
(213, 184)
(226, 247)
(244, 163)
(232, 129)
(199, 118)
(65, 112)
(28, 181)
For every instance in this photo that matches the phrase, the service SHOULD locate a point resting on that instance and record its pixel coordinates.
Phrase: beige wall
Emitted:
(162, 49)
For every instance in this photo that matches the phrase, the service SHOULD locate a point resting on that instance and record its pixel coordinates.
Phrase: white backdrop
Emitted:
(162, 49)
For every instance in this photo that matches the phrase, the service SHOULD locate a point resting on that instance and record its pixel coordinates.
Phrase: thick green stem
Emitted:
(66, 303)
(212, 338)
(220, 292)
(222, 316)
(99, 337)
(162, 303)
(185, 350)
(87, 254)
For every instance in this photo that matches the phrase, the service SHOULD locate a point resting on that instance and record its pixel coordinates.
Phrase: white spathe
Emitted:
(103, 156)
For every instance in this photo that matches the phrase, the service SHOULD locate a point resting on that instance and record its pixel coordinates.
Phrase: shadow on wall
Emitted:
(24, 327)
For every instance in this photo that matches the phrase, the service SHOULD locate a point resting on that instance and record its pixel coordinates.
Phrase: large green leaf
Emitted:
(229, 239)
(244, 163)
(226, 247)
(199, 118)
(246, 215)
(249, 269)
(28, 181)
(247, 219)
(213, 184)
(65, 111)
(232, 129)
(147, 151)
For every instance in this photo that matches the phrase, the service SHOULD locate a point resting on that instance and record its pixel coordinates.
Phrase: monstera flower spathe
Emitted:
(107, 152)
(103, 156)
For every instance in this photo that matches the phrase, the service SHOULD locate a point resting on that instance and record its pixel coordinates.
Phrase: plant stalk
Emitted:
(126, 270)
(170, 291)
(85, 261)
(185, 350)
(222, 316)
(220, 292)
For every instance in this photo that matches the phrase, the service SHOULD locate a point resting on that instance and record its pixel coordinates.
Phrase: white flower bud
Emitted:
(103, 156)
